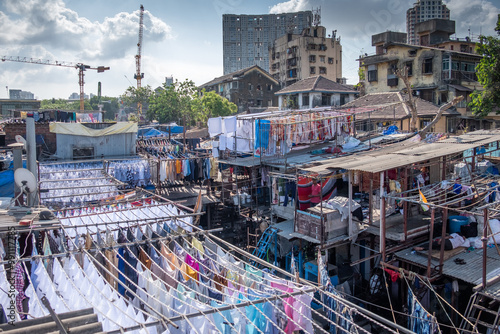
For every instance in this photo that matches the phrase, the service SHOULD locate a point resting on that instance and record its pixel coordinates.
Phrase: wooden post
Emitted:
(350, 228)
(405, 204)
(485, 242)
(429, 254)
(443, 235)
(382, 217)
(370, 202)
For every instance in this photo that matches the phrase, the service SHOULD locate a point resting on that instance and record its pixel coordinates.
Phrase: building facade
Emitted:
(17, 94)
(294, 57)
(247, 38)
(424, 10)
(437, 73)
(248, 88)
(314, 92)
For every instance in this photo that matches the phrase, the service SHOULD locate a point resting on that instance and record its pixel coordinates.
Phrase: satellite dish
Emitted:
(21, 140)
(25, 180)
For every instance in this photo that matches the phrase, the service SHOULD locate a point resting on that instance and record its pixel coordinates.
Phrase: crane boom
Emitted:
(79, 66)
(138, 75)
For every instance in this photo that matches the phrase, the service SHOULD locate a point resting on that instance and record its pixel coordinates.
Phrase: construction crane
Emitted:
(79, 66)
(138, 75)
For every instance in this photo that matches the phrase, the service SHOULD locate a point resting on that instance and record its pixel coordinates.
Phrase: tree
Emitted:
(110, 106)
(55, 104)
(410, 103)
(133, 96)
(215, 105)
(488, 73)
(444, 107)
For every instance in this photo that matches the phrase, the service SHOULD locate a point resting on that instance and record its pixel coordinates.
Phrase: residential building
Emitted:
(76, 96)
(294, 57)
(9, 106)
(315, 92)
(435, 72)
(424, 10)
(247, 38)
(17, 94)
(251, 87)
(169, 81)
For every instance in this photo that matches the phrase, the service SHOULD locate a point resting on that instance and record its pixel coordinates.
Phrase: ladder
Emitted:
(267, 238)
(483, 313)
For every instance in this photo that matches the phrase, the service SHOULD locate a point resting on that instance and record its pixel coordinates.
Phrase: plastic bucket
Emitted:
(454, 223)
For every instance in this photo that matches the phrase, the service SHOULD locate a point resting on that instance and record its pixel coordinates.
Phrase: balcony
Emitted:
(459, 75)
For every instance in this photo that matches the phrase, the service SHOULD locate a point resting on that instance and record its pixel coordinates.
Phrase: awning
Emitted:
(461, 88)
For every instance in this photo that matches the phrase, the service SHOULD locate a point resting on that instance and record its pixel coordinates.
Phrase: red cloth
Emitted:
(394, 274)
(316, 193)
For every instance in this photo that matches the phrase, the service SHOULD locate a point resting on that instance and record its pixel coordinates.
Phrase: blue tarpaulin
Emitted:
(7, 181)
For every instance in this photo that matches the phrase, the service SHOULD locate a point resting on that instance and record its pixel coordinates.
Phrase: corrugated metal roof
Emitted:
(471, 272)
(407, 153)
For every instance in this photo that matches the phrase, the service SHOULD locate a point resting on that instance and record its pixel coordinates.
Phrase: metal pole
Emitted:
(350, 230)
(31, 153)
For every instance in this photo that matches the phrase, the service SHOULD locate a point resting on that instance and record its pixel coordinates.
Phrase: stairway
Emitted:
(269, 237)
(483, 315)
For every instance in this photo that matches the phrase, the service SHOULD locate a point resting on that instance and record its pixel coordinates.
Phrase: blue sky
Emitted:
(182, 39)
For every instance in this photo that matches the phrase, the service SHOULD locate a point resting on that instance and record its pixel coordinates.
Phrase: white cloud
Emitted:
(478, 15)
(51, 24)
(289, 6)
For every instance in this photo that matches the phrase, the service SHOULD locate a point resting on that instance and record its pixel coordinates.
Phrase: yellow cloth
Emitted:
(188, 272)
(197, 244)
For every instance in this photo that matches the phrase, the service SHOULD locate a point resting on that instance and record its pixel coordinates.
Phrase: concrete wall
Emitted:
(106, 146)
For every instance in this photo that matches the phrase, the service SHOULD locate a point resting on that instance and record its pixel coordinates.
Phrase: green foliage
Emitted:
(488, 73)
(54, 104)
(215, 105)
(134, 95)
(110, 106)
(181, 102)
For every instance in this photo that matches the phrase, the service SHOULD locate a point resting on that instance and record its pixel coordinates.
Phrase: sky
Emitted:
(182, 39)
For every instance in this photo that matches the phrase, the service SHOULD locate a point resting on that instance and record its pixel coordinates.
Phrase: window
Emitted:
(312, 58)
(259, 88)
(468, 67)
(321, 59)
(250, 86)
(427, 66)
(269, 88)
(322, 47)
(235, 85)
(326, 99)
(322, 70)
(330, 60)
(312, 70)
(305, 99)
(409, 68)
(372, 73)
(311, 46)
(392, 79)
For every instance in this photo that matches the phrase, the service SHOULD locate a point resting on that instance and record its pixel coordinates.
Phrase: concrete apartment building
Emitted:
(17, 94)
(424, 10)
(294, 57)
(438, 70)
(247, 38)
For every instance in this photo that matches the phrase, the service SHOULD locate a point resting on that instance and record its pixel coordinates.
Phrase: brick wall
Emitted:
(41, 128)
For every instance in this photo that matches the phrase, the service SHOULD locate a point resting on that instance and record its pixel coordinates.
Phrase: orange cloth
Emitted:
(178, 166)
(145, 260)
(188, 272)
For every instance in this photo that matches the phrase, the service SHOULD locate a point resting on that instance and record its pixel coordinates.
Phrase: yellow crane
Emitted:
(79, 66)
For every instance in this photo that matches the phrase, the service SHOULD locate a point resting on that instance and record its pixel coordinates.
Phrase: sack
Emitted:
(469, 231)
